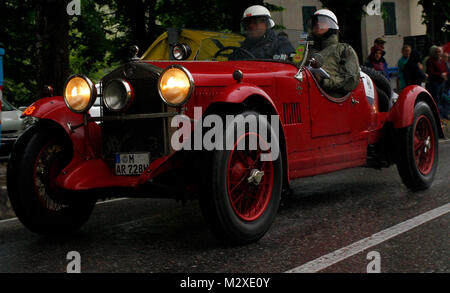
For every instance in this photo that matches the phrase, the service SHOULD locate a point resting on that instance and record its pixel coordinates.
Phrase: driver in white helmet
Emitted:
(261, 41)
(340, 60)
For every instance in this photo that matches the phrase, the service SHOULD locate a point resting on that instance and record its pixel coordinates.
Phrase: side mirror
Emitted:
(22, 108)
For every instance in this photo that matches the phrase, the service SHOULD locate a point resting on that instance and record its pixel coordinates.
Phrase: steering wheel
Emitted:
(235, 49)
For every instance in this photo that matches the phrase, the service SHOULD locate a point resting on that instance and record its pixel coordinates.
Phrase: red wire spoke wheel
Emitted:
(417, 156)
(249, 179)
(245, 182)
(424, 145)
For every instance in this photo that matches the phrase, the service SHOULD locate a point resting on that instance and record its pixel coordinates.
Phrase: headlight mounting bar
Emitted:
(124, 117)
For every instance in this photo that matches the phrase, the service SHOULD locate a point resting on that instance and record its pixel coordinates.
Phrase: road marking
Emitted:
(98, 203)
(8, 220)
(336, 256)
(111, 200)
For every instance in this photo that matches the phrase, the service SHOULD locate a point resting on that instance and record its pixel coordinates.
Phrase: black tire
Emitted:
(381, 83)
(227, 220)
(419, 149)
(383, 101)
(39, 204)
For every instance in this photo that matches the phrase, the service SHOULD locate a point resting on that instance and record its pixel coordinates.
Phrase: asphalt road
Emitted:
(325, 214)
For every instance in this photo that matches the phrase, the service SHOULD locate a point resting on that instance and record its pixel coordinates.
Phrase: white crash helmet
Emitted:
(257, 11)
(323, 16)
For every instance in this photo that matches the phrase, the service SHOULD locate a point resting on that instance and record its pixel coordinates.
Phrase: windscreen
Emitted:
(7, 106)
(285, 45)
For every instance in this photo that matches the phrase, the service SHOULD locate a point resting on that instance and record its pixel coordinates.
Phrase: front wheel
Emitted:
(419, 147)
(245, 185)
(41, 205)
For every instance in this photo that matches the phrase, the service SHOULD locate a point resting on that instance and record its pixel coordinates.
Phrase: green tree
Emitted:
(52, 44)
(19, 39)
(436, 13)
(89, 46)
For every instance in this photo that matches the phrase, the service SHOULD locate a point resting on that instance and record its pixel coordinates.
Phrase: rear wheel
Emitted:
(245, 189)
(419, 148)
(383, 87)
(41, 205)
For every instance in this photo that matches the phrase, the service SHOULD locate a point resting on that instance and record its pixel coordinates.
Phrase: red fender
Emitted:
(402, 113)
(86, 145)
(239, 92)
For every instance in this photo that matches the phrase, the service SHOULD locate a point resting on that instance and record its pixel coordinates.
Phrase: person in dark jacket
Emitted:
(380, 43)
(412, 71)
(445, 99)
(406, 52)
(375, 60)
(261, 41)
(339, 59)
(437, 75)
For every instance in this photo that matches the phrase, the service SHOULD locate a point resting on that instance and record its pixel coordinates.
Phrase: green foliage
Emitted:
(17, 35)
(273, 8)
(436, 13)
(18, 93)
(88, 44)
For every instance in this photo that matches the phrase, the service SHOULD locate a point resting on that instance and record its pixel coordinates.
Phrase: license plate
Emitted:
(132, 163)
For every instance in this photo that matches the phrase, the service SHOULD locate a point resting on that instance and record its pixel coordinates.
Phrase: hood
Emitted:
(216, 73)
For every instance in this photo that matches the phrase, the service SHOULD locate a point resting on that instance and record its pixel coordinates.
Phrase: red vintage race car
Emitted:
(172, 129)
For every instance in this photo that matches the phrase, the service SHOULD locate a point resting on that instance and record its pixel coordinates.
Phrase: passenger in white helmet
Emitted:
(261, 41)
(340, 60)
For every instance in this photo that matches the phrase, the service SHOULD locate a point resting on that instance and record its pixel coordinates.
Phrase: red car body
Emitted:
(61, 165)
(321, 134)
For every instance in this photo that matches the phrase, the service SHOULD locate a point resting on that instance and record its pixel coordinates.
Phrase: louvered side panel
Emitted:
(291, 113)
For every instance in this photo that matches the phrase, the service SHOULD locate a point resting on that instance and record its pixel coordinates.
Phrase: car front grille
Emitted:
(136, 135)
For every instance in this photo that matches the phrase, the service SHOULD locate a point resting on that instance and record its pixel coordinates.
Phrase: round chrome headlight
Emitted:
(175, 85)
(118, 95)
(79, 93)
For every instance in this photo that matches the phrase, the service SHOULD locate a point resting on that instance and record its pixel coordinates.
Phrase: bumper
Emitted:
(96, 174)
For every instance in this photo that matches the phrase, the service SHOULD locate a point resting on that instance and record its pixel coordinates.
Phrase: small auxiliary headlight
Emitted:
(181, 51)
(79, 93)
(118, 95)
(175, 85)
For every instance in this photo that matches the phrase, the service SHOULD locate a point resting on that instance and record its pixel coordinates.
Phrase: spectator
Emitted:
(375, 60)
(424, 62)
(406, 51)
(437, 75)
(445, 101)
(447, 66)
(380, 43)
(412, 70)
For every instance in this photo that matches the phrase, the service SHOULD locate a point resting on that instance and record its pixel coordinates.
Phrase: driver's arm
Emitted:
(347, 78)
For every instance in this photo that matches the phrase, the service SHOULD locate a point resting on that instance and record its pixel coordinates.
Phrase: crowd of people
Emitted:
(432, 71)
(262, 42)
